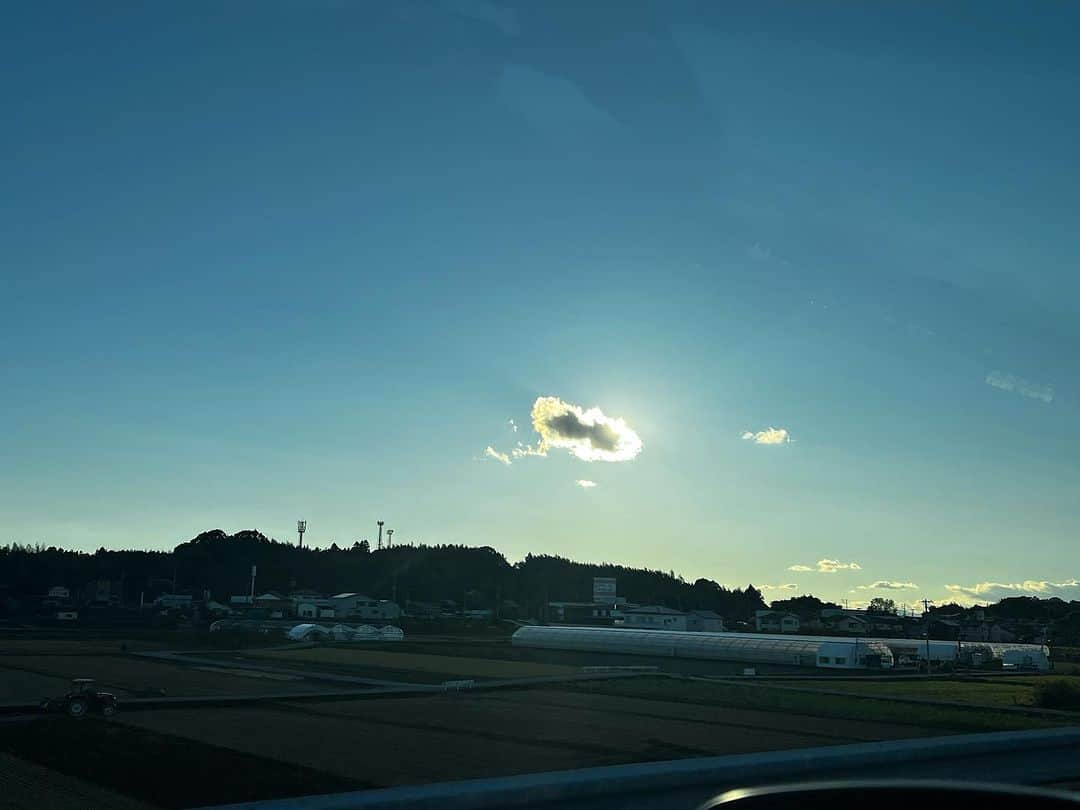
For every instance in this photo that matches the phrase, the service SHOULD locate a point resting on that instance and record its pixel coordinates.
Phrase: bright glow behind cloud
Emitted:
(590, 434)
(769, 436)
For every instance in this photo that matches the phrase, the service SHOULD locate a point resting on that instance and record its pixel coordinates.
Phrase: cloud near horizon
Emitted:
(888, 585)
(993, 591)
(827, 567)
(588, 434)
(768, 436)
(787, 586)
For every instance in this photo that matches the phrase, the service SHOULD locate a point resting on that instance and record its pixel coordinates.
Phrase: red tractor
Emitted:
(82, 700)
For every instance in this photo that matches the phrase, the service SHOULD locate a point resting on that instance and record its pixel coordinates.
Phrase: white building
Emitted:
(774, 621)
(358, 606)
(316, 609)
(704, 621)
(655, 617)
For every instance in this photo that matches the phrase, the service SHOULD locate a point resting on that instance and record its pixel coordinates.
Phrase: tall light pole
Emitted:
(301, 527)
(380, 532)
(389, 537)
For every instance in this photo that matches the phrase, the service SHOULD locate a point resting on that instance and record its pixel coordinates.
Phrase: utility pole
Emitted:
(253, 586)
(380, 532)
(389, 538)
(926, 603)
(301, 527)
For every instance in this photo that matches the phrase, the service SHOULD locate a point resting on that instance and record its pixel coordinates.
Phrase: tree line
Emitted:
(220, 563)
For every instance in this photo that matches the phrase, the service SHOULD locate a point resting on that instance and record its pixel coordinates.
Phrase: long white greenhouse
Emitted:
(827, 652)
(751, 648)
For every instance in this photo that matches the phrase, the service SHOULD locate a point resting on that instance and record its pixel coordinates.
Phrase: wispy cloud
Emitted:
(888, 585)
(993, 591)
(787, 586)
(587, 433)
(584, 483)
(502, 458)
(768, 436)
(513, 425)
(1018, 385)
(827, 567)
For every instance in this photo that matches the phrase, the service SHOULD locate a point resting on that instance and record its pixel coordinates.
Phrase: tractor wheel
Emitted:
(77, 707)
(108, 710)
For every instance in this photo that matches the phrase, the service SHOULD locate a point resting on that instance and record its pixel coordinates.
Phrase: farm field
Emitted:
(999, 691)
(774, 698)
(27, 786)
(352, 660)
(31, 677)
(109, 753)
(457, 736)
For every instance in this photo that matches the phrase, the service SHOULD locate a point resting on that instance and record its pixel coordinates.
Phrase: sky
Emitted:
(782, 294)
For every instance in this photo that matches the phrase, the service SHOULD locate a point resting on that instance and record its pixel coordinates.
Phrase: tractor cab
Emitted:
(82, 700)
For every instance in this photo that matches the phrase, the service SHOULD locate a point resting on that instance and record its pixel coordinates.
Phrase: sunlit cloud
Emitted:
(787, 586)
(584, 483)
(492, 453)
(587, 433)
(888, 585)
(768, 436)
(1018, 385)
(993, 591)
(513, 425)
(827, 567)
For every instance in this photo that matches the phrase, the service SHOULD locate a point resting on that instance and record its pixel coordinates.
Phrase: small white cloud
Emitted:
(769, 436)
(888, 585)
(993, 591)
(502, 458)
(513, 425)
(523, 450)
(585, 483)
(1018, 385)
(827, 567)
(787, 586)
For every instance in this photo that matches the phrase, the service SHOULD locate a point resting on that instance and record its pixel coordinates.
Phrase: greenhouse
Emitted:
(751, 648)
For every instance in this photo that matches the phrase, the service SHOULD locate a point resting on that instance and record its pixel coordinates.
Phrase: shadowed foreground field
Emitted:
(157, 769)
(462, 735)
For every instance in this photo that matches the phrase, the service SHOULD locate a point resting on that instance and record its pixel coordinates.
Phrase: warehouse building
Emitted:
(825, 652)
(750, 648)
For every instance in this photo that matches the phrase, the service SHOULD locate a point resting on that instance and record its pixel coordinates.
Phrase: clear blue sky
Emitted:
(264, 261)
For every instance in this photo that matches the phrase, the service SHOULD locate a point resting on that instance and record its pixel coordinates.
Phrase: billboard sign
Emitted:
(603, 589)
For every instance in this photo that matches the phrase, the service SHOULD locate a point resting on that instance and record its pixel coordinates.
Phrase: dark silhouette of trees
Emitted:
(220, 564)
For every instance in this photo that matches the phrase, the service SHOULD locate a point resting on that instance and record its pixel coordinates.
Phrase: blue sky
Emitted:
(265, 261)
